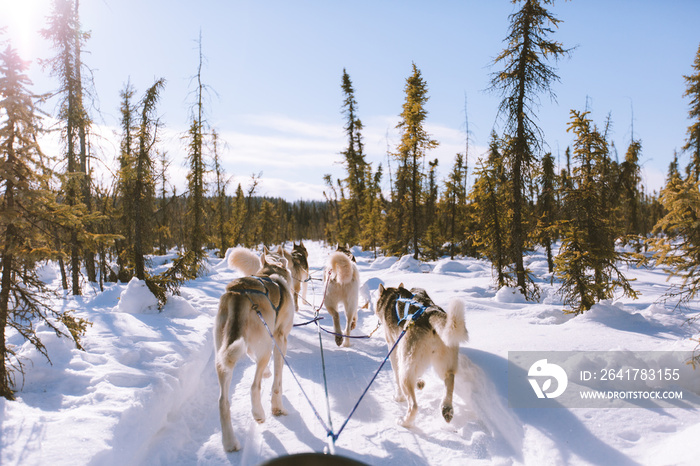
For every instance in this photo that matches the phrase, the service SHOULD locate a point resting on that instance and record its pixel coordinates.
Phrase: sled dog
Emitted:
(298, 266)
(238, 330)
(343, 287)
(432, 339)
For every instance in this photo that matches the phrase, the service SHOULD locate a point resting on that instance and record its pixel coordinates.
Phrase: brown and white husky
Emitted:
(238, 330)
(433, 339)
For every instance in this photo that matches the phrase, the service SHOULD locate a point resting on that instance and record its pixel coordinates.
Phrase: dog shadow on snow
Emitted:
(569, 435)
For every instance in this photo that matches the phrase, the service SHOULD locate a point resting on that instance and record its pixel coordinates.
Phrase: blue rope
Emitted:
(410, 318)
(318, 416)
(329, 432)
(335, 436)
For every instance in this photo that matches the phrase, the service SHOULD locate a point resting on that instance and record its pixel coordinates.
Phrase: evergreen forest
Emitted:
(592, 215)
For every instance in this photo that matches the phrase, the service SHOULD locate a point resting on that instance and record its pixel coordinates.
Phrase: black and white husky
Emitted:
(432, 339)
(343, 287)
(239, 330)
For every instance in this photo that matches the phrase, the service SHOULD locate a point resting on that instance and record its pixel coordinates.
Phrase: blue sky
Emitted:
(274, 70)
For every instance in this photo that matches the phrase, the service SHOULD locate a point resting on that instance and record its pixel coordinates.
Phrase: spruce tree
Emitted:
(29, 212)
(525, 74)
(221, 210)
(434, 237)
(67, 38)
(588, 263)
(693, 142)
(355, 165)
(677, 242)
(453, 204)
(372, 218)
(163, 231)
(144, 180)
(546, 208)
(196, 215)
(630, 196)
(489, 198)
(414, 144)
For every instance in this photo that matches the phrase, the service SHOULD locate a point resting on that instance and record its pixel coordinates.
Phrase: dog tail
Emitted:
(454, 331)
(244, 260)
(341, 267)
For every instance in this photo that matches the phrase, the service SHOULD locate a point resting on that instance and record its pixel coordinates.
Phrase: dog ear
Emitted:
(263, 258)
(381, 289)
(265, 250)
(401, 285)
(280, 249)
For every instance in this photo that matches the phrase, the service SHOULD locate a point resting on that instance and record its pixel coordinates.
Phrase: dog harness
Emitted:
(408, 303)
(266, 293)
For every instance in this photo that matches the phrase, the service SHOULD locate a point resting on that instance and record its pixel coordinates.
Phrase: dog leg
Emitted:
(304, 287)
(228, 438)
(447, 409)
(398, 394)
(278, 366)
(350, 305)
(255, 389)
(407, 385)
(333, 311)
(351, 315)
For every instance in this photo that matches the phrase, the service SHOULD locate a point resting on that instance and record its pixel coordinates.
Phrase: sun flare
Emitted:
(23, 19)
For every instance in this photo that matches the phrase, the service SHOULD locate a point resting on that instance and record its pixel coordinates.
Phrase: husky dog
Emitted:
(343, 288)
(433, 339)
(239, 330)
(298, 266)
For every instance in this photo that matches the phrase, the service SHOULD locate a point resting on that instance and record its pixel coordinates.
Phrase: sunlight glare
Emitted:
(23, 19)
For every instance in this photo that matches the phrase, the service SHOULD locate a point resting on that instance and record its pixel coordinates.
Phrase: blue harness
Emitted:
(409, 302)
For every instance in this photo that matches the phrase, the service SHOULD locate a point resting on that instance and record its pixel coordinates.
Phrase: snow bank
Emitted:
(450, 266)
(382, 263)
(510, 295)
(137, 299)
(409, 264)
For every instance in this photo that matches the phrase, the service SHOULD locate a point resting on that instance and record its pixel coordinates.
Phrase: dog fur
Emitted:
(343, 287)
(299, 270)
(433, 339)
(244, 260)
(238, 330)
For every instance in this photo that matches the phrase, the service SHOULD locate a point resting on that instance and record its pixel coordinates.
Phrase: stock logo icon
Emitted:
(546, 372)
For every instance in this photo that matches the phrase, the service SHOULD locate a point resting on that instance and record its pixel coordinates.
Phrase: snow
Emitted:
(144, 391)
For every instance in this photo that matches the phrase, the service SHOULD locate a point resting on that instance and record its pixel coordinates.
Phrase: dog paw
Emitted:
(338, 340)
(346, 343)
(420, 384)
(279, 412)
(448, 412)
(232, 445)
(259, 416)
(399, 397)
(403, 422)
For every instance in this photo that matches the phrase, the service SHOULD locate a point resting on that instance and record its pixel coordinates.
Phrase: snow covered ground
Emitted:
(144, 391)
